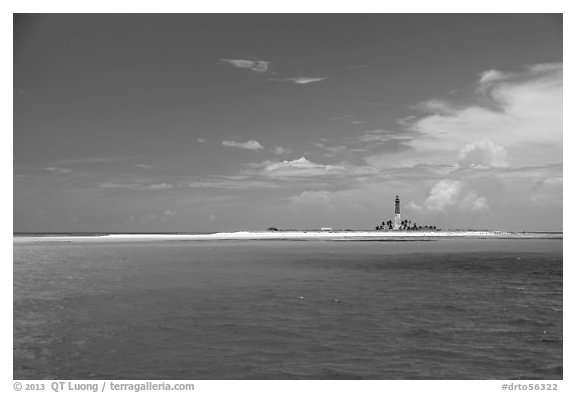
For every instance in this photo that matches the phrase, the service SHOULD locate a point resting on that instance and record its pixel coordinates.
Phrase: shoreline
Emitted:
(289, 235)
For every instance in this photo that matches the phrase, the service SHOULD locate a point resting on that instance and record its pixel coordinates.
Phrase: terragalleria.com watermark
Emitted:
(103, 386)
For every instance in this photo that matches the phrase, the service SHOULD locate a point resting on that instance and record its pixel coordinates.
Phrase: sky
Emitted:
(221, 122)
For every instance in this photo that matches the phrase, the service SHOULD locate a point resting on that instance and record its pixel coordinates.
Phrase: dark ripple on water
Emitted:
(269, 311)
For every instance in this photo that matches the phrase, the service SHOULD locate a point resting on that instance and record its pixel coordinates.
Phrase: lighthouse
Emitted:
(397, 219)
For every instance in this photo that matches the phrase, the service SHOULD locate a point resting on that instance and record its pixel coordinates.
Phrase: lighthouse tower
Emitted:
(397, 219)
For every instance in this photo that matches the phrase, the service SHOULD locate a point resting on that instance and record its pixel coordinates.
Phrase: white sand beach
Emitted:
(288, 235)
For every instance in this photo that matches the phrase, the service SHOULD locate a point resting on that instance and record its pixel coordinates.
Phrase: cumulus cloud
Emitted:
(442, 195)
(546, 191)
(473, 202)
(301, 80)
(483, 154)
(259, 66)
(447, 194)
(523, 114)
(200, 140)
(250, 145)
(512, 119)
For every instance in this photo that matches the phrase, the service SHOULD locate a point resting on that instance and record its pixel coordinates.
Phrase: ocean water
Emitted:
(437, 309)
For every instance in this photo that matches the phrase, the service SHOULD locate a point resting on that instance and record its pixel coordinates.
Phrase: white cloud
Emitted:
(282, 151)
(139, 187)
(447, 194)
(144, 166)
(365, 202)
(442, 195)
(305, 168)
(413, 206)
(200, 140)
(301, 80)
(436, 106)
(546, 191)
(382, 136)
(491, 76)
(483, 154)
(512, 119)
(250, 145)
(58, 170)
(158, 186)
(259, 66)
(299, 167)
(520, 112)
(474, 203)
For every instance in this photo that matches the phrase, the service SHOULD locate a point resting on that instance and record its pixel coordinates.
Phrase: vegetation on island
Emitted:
(405, 225)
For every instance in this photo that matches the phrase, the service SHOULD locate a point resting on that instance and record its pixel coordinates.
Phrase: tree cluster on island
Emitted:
(405, 225)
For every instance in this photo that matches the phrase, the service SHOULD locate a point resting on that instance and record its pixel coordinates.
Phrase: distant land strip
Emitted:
(284, 235)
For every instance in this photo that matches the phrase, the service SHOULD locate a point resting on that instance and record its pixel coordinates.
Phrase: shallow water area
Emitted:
(276, 309)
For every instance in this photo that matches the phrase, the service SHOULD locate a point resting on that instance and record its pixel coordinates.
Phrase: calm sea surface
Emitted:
(442, 309)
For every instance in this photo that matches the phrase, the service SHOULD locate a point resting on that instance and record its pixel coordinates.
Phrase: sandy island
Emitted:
(290, 235)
